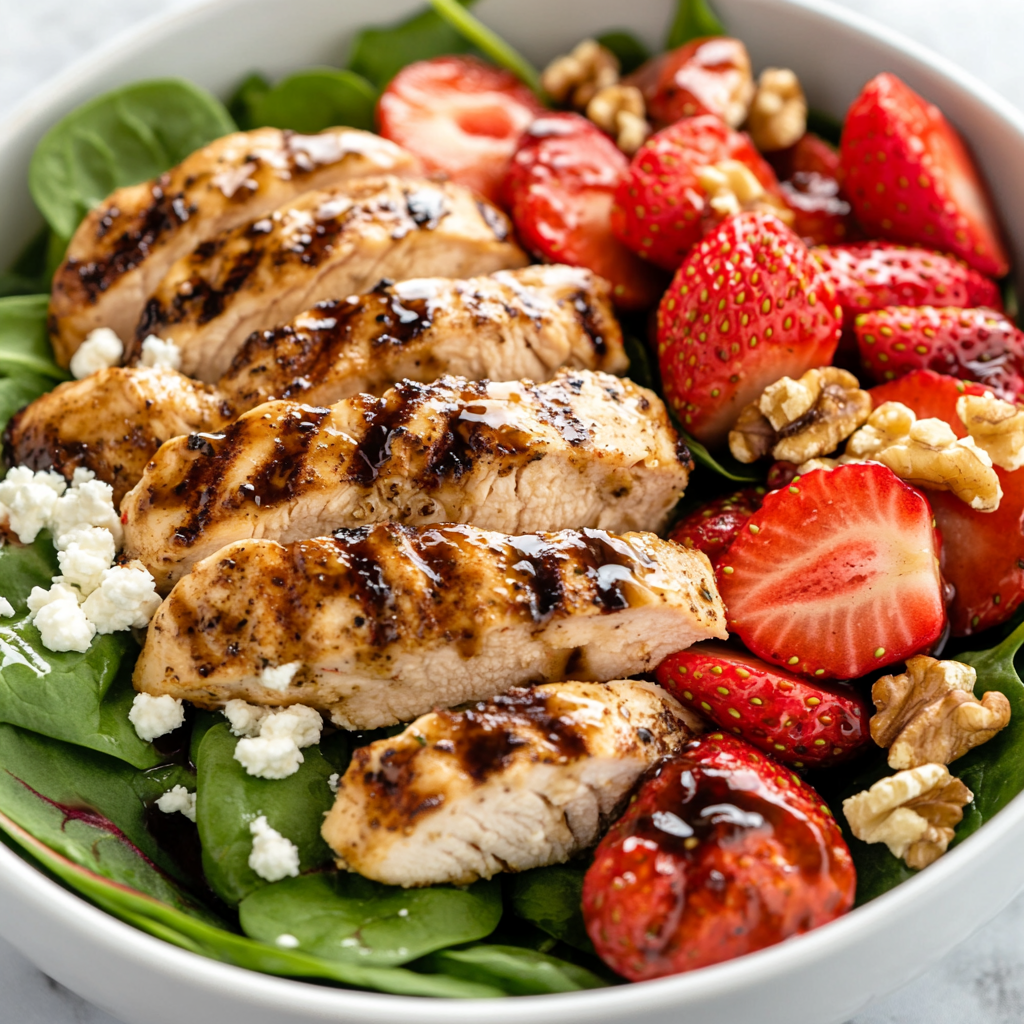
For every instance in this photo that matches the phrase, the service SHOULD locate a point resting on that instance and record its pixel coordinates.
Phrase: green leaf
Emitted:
(488, 42)
(78, 698)
(694, 19)
(825, 125)
(24, 342)
(551, 898)
(241, 103)
(345, 917)
(517, 971)
(379, 53)
(17, 392)
(310, 101)
(121, 138)
(27, 274)
(727, 467)
(641, 369)
(629, 50)
(229, 799)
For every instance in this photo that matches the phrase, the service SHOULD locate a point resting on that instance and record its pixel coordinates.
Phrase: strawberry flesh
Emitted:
(929, 394)
(714, 526)
(809, 186)
(722, 852)
(837, 574)
(801, 723)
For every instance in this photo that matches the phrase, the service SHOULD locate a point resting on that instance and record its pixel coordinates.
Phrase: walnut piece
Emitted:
(619, 110)
(929, 714)
(913, 812)
(928, 454)
(575, 78)
(731, 186)
(797, 420)
(778, 114)
(996, 426)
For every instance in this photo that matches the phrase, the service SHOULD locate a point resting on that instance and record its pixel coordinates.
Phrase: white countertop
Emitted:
(982, 981)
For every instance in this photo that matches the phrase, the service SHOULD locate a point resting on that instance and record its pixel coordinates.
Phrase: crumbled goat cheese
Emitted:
(27, 500)
(101, 348)
(62, 624)
(160, 352)
(87, 553)
(298, 723)
(126, 597)
(332, 781)
(154, 717)
(286, 941)
(178, 800)
(279, 677)
(274, 752)
(273, 857)
(90, 503)
(6, 608)
(244, 718)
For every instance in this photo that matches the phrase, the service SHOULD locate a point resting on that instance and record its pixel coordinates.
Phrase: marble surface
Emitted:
(982, 981)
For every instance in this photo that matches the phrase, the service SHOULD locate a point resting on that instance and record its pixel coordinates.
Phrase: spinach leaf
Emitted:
(24, 343)
(629, 50)
(379, 53)
(16, 392)
(78, 698)
(229, 799)
(27, 275)
(311, 100)
(342, 916)
(694, 19)
(551, 898)
(517, 971)
(241, 103)
(828, 127)
(121, 138)
(642, 369)
(727, 466)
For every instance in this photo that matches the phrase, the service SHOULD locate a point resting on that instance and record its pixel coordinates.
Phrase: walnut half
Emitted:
(913, 812)
(778, 114)
(575, 78)
(996, 426)
(797, 420)
(619, 110)
(929, 714)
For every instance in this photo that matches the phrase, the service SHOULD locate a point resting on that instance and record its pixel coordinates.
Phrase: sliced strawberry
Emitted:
(661, 209)
(801, 723)
(837, 574)
(911, 178)
(704, 76)
(809, 185)
(722, 852)
(973, 344)
(460, 116)
(747, 307)
(929, 395)
(780, 474)
(559, 191)
(714, 526)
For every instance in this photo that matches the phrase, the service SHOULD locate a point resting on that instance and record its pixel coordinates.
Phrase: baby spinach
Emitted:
(341, 916)
(229, 799)
(27, 369)
(693, 20)
(725, 466)
(551, 898)
(517, 971)
(121, 138)
(241, 103)
(78, 698)
(314, 99)
(825, 125)
(629, 50)
(27, 274)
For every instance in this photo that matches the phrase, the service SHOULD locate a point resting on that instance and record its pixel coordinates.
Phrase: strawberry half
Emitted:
(559, 189)
(809, 186)
(460, 116)
(929, 395)
(661, 209)
(801, 723)
(714, 526)
(973, 344)
(837, 574)
(722, 852)
(910, 177)
(747, 307)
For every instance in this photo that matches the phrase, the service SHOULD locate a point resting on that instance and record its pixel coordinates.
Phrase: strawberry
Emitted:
(559, 190)
(801, 723)
(911, 179)
(661, 209)
(460, 116)
(837, 574)
(810, 188)
(929, 395)
(722, 852)
(974, 344)
(780, 474)
(747, 307)
(704, 76)
(713, 527)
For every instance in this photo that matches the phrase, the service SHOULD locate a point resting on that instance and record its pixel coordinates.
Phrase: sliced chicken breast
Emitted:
(112, 422)
(124, 247)
(327, 243)
(513, 783)
(381, 624)
(584, 450)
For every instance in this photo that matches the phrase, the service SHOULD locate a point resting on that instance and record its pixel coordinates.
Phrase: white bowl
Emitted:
(822, 978)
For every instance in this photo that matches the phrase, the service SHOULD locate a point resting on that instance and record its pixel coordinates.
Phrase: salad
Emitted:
(476, 531)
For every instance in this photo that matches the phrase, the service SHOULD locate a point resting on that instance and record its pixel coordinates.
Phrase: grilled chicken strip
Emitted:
(586, 449)
(123, 248)
(333, 242)
(513, 783)
(384, 623)
(516, 323)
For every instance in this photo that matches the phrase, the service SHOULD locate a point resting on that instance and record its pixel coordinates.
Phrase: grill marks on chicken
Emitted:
(123, 248)
(513, 783)
(324, 244)
(387, 622)
(583, 450)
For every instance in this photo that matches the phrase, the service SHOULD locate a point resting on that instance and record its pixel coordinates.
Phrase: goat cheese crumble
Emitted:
(125, 598)
(178, 800)
(27, 500)
(88, 551)
(154, 717)
(273, 856)
(160, 352)
(6, 608)
(279, 677)
(333, 781)
(101, 348)
(272, 741)
(58, 616)
(244, 718)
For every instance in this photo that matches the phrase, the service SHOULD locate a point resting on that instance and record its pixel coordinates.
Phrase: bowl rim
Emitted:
(32, 884)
